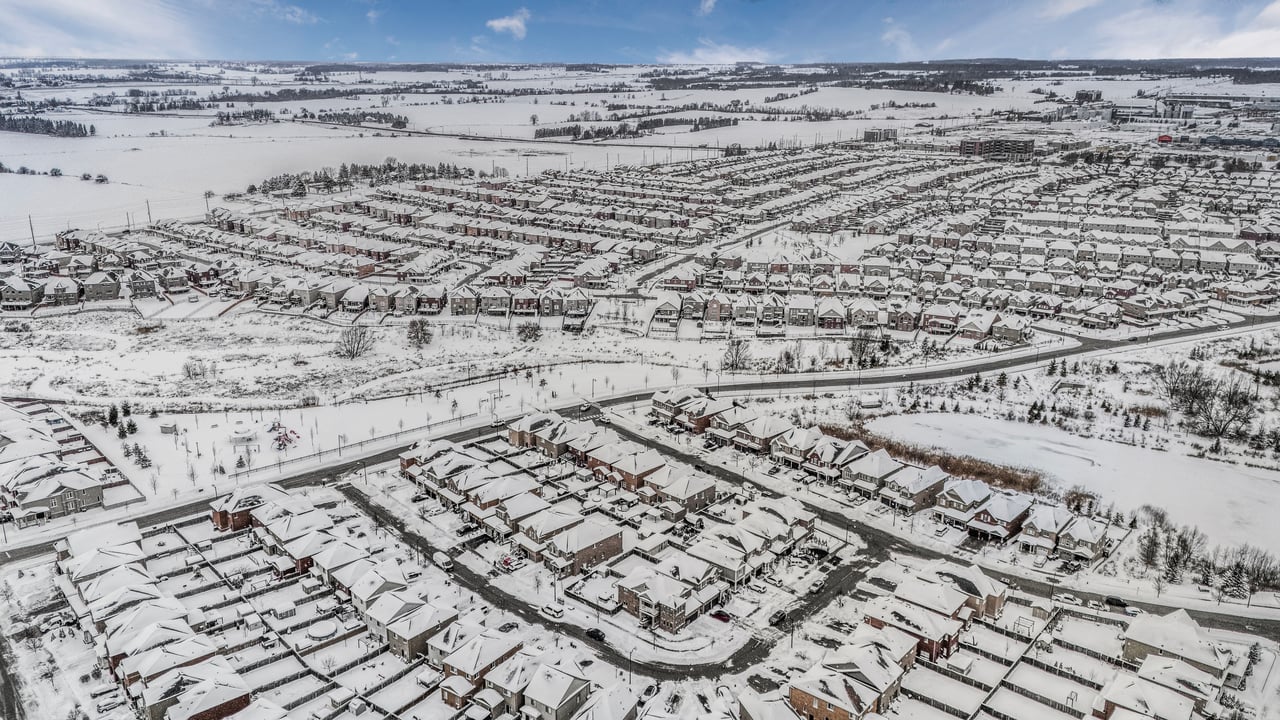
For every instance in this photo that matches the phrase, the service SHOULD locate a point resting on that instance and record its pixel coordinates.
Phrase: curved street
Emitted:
(879, 544)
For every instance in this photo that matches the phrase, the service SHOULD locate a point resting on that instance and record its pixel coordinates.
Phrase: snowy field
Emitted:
(1222, 498)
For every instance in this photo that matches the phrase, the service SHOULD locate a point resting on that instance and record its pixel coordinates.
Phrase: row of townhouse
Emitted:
(19, 293)
(964, 503)
(498, 300)
(977, 313)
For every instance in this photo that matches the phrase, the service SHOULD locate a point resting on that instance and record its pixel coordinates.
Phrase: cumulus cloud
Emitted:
(900, 40)
(709, 52)
(72, 28)
(1166, 31)
(706, 7)
(373, 15)
(513, 23)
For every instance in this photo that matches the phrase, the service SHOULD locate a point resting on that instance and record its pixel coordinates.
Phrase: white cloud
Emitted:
(391, 40)
(900, 40)
(706, 7)
(284, 11)
(710, 52)
(1163, 31)
(73, 28)
(373, 15)
(1058, 9)
(513, 23)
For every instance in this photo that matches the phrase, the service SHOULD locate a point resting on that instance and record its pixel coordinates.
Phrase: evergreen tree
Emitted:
(1053, 368)
(131, 427)
(1149, 547)
(1002, 380)
(1234, 584)
(121, 433)
(125, 409)
(113, 415)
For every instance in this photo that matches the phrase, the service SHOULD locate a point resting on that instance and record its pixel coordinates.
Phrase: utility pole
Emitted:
(206, 202)
(31, 226)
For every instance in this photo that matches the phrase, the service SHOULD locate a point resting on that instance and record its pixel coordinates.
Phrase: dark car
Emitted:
(596, 634)
(777, 618)
(774, 470)
(1114, 601)
(722, 616)
(508, 627)
(419, 497)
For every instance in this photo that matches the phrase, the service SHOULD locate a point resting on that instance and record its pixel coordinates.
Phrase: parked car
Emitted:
(1114, 601)
(419, 497)
(193, 298)
(110, 703)
(773, 470)
(467, 529)
(1066, 599)
(721, 615)
(595, 634)
(508, 627)
(1132, 611)
(777, 617)
(554, 611)
(817, 587)
(1095, 605)
(756, 586)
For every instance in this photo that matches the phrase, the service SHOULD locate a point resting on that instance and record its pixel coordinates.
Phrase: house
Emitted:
(407, 635)
(936, 636)
(959, 501)
(1129, 696)
(869, 473)
(667, 403)
(1001, 516)
(1040, 530)
(1084, 538)
(101, 286)
(582, 547)
(912, 488)
(984, 595)
(851, 683)
(757, 435)
(19, 294)
(234, 511)
(466, 667)
(209, 690)
(554, 692)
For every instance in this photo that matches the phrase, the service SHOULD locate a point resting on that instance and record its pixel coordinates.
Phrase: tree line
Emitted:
(44, 126)
(346, 175)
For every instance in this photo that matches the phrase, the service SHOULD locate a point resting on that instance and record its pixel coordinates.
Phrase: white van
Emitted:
(100, 690)
(444, 561)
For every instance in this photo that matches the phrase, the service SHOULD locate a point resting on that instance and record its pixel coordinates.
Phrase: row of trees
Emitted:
(358, 117)
(244, 116)
(1178, 554)
(347, 175)
(43, 126)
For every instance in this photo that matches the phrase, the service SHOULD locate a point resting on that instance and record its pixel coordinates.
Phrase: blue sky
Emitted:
(638, 31)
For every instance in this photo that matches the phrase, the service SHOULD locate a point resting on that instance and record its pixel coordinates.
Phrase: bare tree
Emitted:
(736, 355)
(419, 332)
(861, 345)
(354, 342)
(529, 332)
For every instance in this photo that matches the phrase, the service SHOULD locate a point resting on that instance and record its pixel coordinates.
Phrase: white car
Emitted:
(109, 703)
(1132, 611)
(1067, 599)
(555, 611)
